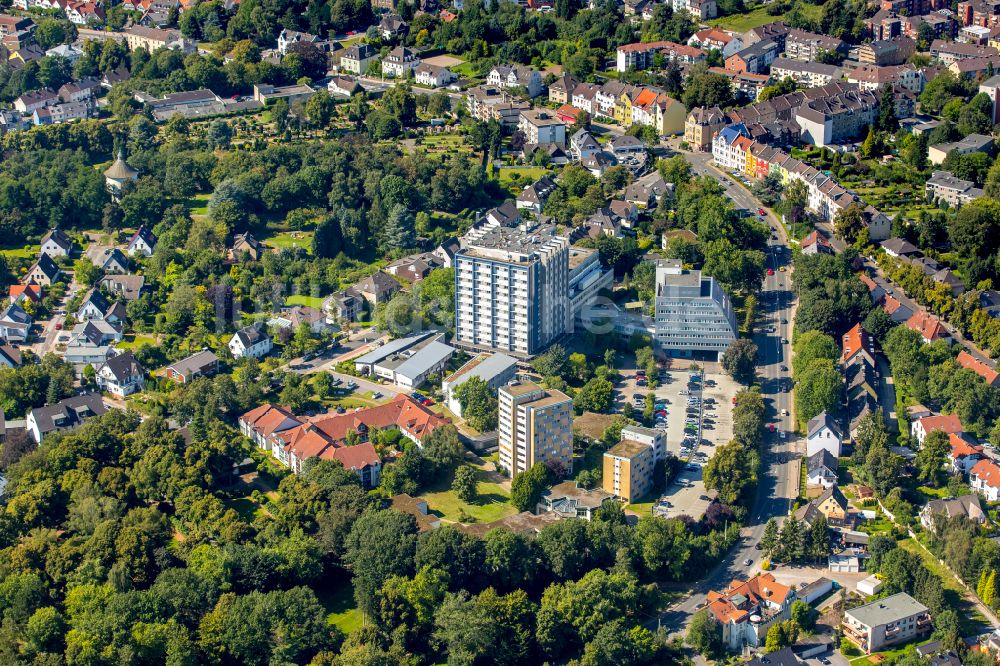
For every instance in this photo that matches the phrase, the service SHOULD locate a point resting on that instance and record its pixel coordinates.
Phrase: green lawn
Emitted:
(290, 239)
(134, 341)
(336, 593)
(758, 17)
(20, 253)
(531, 173)
(197, 204)
(247, 508)
(491, 505)
(309, 301)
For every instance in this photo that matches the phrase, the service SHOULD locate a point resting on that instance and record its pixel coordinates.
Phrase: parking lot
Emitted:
(698, 418)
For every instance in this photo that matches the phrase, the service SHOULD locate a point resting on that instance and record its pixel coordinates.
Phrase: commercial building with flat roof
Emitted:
(534, 425)
(512, 287)
(495, 370)
(407, 361)
(693, 312)
(886, 622)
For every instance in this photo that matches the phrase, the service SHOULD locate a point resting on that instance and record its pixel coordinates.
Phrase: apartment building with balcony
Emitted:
(511, 287)
(534, 425)
(629, 465)
(693, 312)
(886, 623)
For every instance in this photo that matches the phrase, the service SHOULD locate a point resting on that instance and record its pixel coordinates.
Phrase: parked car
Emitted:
(376, 395)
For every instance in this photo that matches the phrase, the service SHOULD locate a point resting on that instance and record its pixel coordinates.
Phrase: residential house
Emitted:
(245, 243)
(562, 90)
(642, 55)
(415, 267)
(56, 244)
(832, 505)
(821, 469)
(400, 61)
(129, 287)
(967, 506)
(288, 37)
(647, 190)
(36, 99)
(10, 357)
(151, 39)
(886, 623)
(121, 375)
(947, 423)
(516, 76)
(343, 306)
(534, 196)
(357, 58)
(985, 370)
(944, 186)
(298, 315)
(875, 77)
(392, 26)
(19, 293)
(377, 288)
(897, 247)
(142, 242)
(251, 341)
(928, 326)
(81, 90)
(746, 610)
(855, 342)
(701, 125)
(809, 46)
(807, 74)
(948, 278)
(882, 52)
(964, 453)
(984, 477)
(108, 259)
(96, 305)
(344, 86)
(43, 272)
(815, 243)
(541, 127)
(823, 434)
(15, 324)
(63, 415)
(91, 343)
(583, 145)
(433, 76)
(951, 52)
(200, 364)
(716, 39)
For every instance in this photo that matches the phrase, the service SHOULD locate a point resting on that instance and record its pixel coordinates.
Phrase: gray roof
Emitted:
(885, 611)
(820, 459)
(251, 335)
(393, 347)
(782, 657)
(485, 368)
(71, 411)
(123, 366)
(819, 421)
(196, 362)
(429, 356)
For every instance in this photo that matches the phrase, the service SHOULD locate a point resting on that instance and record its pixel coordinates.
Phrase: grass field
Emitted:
(491, 505)
(309, 301)
(134, 341)
(531, 173)
(20, 252)
(336, 593)
(759, 16)
(197, 204)
(971, 619)
(289, 240)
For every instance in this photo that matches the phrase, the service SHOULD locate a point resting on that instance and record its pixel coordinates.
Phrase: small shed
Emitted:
(870, 586)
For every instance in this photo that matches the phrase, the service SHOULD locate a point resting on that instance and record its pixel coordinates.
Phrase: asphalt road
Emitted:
(779, 479)
(46, 342)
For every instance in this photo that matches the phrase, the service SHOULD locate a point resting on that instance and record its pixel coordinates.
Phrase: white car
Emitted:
(781, 434)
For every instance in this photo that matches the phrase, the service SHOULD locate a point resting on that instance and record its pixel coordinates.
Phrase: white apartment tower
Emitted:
(512, 287)
(535, 425)
(693, 312)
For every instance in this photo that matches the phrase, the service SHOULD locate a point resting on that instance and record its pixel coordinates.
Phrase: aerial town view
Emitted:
(499, 332)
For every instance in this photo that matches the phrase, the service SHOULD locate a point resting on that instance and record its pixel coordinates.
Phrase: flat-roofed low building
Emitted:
(495, 370)
(407, 361)
(568, 500)
(885, 623)
(298, 92)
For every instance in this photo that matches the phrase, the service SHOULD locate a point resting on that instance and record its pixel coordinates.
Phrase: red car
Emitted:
(760, 211)
(770, 426)
(770, 271)
(427, 402)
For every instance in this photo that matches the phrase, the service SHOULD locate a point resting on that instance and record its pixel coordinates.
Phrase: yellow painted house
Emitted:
(623, 109)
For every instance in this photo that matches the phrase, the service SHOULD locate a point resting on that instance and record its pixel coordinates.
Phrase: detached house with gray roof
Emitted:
(121, 375)
(251, 341)
(63, 415)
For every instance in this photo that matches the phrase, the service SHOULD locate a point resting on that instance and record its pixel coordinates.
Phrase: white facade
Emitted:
(495, 370)
(241, 346)
(693, 312)
(511, 289)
